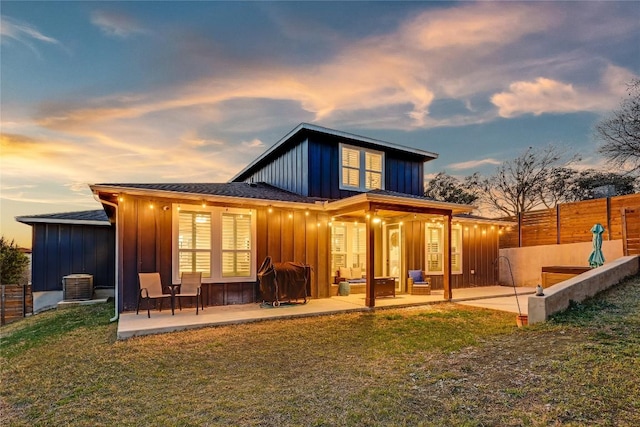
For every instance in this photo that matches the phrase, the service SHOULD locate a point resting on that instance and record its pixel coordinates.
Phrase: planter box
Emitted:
(556, 274)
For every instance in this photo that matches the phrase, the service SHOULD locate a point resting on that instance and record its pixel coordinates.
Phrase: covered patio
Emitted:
(131, 325)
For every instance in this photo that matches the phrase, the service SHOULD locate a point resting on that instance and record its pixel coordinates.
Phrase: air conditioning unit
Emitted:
(77, 287)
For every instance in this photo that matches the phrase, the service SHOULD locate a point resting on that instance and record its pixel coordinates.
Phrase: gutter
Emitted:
(116, 315)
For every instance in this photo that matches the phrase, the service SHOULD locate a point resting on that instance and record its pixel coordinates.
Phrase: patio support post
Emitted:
(370, 297)
(447, 258)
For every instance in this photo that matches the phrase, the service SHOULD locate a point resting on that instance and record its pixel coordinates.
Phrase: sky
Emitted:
(155, 92)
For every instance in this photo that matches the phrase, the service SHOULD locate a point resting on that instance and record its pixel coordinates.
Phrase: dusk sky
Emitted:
(95, 92)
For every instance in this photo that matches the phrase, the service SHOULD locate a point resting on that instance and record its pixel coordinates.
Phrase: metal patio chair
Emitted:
(151, 288)
(191, 287)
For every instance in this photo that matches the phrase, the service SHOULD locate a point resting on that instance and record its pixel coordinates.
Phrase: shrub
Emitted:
(13, 263)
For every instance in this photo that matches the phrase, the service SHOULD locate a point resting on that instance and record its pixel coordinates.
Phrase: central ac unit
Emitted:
(77, 287)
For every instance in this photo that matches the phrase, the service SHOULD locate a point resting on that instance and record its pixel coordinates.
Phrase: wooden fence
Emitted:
(16, 301)
(631, 231)
(572, 222)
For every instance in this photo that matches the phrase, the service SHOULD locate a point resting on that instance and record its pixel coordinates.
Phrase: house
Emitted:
(70, 243)
(326, 198)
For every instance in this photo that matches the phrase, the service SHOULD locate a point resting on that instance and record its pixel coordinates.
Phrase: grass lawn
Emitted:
(435, 365)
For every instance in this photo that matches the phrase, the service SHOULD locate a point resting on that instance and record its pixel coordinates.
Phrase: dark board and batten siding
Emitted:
(311, 168)
(282, 234)
(403, 174)
(324, 173)
(146, 235)
(479, 251)
(288, 171)
(63, 249)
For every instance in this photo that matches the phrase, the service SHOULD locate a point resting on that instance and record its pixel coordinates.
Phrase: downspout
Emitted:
(117, 277)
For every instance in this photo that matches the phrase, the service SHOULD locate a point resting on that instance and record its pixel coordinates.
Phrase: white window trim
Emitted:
(363, 168)
(457, 252)
(216, 243)
(237, 251)
(349, 252)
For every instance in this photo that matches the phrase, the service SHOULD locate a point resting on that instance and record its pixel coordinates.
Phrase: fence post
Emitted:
(519, 229)
(609, 218)
(558, 226)
(2, 287)
(623, 218)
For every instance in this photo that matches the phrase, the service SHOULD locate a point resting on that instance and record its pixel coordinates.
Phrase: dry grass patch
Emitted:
(438, 365)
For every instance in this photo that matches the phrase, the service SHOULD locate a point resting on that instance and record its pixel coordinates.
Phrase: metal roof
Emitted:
(93, 217)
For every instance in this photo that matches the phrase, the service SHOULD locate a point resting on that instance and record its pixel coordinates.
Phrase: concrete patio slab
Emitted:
(130, 324)
(508, 304)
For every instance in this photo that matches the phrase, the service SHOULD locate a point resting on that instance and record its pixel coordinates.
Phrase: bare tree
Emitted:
(525, 183)
(447, 188)
(620, 132)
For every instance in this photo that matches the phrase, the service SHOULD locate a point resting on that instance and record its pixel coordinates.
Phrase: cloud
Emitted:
(381, 81)
(385, 80)
(473, 164)
(20, 145)
(475, 25)
(48, 198)
(541, 96)
(54, 157)
(544, 95)
(255, 143)
(115, 24)
(192, 139)
(17, 187)
(24, 33)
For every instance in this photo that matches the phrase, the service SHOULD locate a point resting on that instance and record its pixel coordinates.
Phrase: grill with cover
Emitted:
(284, 281)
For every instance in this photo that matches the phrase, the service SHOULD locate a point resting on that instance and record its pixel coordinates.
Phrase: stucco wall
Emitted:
(558, 297)
(527, 262)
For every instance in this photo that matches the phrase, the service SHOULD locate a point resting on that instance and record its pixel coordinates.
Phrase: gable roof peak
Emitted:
(312, 128)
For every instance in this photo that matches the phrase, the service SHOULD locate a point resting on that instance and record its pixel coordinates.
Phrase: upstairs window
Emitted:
(361, 169)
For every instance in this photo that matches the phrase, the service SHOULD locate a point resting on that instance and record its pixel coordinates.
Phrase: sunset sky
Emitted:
(96, 92)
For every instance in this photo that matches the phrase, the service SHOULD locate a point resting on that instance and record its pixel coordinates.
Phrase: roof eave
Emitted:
(35, 220)
(455, 208)
(200, 197)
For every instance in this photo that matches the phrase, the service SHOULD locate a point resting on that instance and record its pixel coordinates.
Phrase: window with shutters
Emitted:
(348, 245)
(361, 169)
(456, 249)
(358, 246)
(434, 242)
(219, 242)
(194, 243)
(236, 245)
(338, 247)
